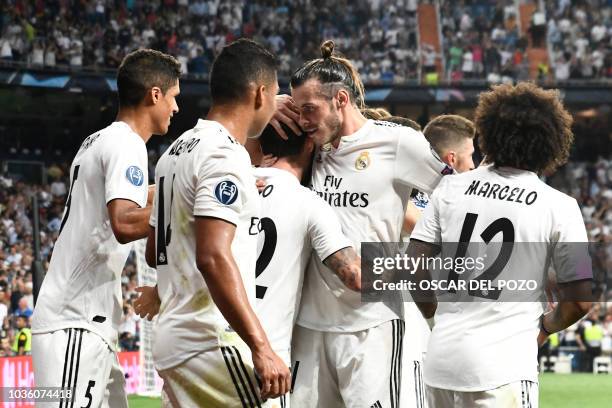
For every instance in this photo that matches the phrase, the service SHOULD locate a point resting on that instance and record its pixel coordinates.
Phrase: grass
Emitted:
(136, 401)
(556, 391)
(575, 390)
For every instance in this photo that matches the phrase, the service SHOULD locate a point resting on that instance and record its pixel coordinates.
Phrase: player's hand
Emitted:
(260, 184)
(288, 113)
(147, 304)
(150, 195)
(274, 375)
(268, 160)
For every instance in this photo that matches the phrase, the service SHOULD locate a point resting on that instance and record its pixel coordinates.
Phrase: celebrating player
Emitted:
(350, 352)
(452, 138)
(294, 221)
(524, 132)
(78, 312)
(209, 346)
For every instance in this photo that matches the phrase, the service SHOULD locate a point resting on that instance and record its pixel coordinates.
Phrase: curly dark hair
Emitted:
(524, 126)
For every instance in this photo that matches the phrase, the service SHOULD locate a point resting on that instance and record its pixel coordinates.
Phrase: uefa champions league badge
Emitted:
(135, 175)
(226, 192)
(363, 161)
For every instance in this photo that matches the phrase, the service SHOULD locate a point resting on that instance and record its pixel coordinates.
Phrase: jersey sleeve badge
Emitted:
(135, 175)
(226, 192)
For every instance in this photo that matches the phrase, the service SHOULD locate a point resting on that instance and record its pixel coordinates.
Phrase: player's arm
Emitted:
(572, 264)
(424, 299)
(346, 264)
(425, 241)
(216, 262)
(128, 201)
(150, 248)
(128, 220)
(411, 217)
(330, 243)
(567, 313)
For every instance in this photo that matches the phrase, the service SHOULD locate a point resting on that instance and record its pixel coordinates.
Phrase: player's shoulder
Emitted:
(393, 129)
(119, 132)
(116, 138)
(207, 139)
(559, 198)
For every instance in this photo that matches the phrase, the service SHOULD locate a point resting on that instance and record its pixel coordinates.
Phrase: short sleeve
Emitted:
(428, 227)
(125, 169)
(570, 254)
(324, 229)
(153, 217)
(221, 186)
(416, 164)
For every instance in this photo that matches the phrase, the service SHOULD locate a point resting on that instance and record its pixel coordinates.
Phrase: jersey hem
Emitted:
(75, 325)
(344, 329)
(176, 360)
(486, 387)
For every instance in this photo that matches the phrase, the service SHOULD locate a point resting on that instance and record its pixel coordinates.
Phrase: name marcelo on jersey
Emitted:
(503, 193)
(341, 198)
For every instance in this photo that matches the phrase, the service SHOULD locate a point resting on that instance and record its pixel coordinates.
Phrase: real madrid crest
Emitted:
(363, 161)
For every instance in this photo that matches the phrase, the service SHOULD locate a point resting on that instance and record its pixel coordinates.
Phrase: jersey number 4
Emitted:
(164, 233)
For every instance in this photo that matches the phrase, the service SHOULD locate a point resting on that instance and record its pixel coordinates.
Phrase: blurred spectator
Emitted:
(589, 336)
(128, 329)
(22, 344)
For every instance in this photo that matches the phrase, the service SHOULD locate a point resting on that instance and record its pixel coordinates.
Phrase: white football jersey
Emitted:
(294, 221)
(367, 181)
(204, 173)
(477, 346)
(82, 288)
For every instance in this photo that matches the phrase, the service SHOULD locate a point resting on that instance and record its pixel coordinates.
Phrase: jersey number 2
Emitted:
(267, 252)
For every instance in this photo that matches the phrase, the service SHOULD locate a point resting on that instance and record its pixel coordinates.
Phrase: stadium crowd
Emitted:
(589, 183)
(17, 255)
(480, 38)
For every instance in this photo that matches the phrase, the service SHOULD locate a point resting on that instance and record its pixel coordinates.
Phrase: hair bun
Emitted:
(327, 49)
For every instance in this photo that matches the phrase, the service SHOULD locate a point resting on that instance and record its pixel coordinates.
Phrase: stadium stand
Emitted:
(390, 41)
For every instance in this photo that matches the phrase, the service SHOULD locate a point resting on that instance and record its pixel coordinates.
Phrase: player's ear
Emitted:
(343, 98)
(155, 95)
(450, 158)
(259, 96)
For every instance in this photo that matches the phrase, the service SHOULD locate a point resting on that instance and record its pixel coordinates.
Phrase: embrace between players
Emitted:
(251, 283)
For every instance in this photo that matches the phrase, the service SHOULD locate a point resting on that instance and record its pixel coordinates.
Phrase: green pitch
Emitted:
(556, 391)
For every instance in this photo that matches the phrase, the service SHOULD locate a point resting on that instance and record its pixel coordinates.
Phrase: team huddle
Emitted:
(258, 301)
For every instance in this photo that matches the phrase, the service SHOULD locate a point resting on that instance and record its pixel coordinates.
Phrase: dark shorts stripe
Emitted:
(66, 362)
(225, 353)
(248, 378)
(76, 371)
